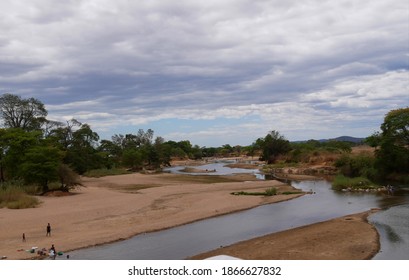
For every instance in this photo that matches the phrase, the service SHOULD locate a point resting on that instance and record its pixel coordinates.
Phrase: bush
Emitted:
(342, 182)
(268, 192)
(271, 192)
(362, 165)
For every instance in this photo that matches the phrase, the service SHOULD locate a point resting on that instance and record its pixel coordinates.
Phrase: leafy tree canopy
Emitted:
(27, 114)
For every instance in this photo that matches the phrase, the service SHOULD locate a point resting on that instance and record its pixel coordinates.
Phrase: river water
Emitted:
(323, 204)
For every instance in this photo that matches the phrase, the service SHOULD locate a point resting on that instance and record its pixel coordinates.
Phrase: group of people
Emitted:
(52, 252)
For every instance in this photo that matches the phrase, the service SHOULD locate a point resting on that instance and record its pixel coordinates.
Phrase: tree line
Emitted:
(39, 151)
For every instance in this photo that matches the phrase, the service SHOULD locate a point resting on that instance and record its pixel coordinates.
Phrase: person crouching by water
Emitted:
(53, 252)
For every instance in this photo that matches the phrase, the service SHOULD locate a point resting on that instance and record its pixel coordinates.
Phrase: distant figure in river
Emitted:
(24, 237)
(48, 230)
(390, 189)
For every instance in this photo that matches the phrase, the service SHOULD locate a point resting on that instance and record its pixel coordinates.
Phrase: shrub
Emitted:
(268, 192)
(362, 165)
(271, 192)
(342, 182)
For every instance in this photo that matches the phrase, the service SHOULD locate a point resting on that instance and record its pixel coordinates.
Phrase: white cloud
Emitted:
(365, 91)
(286, 63)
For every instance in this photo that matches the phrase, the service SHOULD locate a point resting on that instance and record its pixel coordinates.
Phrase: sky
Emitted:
(212, 72)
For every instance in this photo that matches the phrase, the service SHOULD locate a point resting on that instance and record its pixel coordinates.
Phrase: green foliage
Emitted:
(288, 193)
(133, 158)
(40, 165)
(362, 165)
(268, 192)
(271, 192)
(342, 182)
(81, 153)
(374, 140)
(272, 146)
(14, 144)
(27, 114)
(393, 142)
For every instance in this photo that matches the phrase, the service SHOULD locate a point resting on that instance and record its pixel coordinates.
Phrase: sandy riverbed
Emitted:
(118, 207)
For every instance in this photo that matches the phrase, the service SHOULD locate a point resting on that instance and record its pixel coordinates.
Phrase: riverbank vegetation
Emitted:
(342, 182)
(268, 192)
(51, 155)
(15, 195)
(385, 161)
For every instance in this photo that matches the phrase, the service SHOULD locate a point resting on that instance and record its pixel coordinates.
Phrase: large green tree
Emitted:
(27, 114)
(14, 144)
(393, 143)
(41, 166)
(82, 154)
(273, 145)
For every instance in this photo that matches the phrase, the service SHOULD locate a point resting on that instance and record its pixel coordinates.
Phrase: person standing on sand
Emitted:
(48, 230)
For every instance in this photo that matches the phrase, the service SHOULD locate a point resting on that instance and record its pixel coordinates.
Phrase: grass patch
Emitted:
(15, 198)
(288, 193)
(342, 182)
(97, 173)
(268, 192)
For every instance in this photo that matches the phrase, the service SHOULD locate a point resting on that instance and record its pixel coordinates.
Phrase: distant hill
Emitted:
(355, 140)
(348, 139)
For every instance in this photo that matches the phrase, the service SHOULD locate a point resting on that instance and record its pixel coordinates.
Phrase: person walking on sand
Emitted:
(48, 230)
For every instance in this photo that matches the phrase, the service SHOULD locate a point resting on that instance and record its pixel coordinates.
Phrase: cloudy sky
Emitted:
(212, 72)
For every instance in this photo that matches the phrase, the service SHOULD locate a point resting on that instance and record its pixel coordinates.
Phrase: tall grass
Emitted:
(16, 198)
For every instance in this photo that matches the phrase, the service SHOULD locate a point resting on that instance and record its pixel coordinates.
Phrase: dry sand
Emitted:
(346, 238)
(118, 207)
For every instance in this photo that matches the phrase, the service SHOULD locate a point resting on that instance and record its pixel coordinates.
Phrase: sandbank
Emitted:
(346, 238)
(118, 207)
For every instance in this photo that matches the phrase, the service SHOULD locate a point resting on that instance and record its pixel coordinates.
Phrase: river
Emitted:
(323, 204)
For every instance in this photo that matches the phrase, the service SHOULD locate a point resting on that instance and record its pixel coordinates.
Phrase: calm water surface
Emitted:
(393, 227)
(188, 240)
